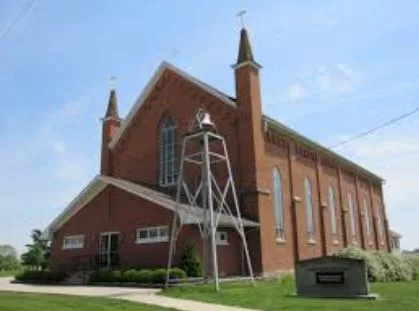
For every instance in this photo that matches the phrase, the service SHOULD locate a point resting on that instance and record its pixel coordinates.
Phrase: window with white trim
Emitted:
(333, 212)
(221, 238)
(309, 209)
(73, 241)
(152, 235)
(168, 163)
(352, 213)
(278, 204)
(368, 219)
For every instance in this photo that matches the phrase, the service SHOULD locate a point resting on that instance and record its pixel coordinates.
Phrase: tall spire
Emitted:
(112, 110)
(245, 49)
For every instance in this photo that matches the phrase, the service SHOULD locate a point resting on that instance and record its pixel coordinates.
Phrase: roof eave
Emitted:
(290, 132)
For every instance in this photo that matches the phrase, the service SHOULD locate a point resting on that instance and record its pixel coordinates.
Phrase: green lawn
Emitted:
(32, 302)
(272, 296)
(8, 272)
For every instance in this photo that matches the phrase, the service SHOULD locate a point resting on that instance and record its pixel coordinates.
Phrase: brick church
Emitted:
(298, 199)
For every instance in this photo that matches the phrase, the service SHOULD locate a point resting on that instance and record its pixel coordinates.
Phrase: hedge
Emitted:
(143, 276)
(41, 276)
(381, 266)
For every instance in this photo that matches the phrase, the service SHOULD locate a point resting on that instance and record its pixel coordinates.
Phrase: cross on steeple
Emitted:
(241, 16)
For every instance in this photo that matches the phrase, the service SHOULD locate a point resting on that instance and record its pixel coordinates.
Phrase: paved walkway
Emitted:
(141, 295)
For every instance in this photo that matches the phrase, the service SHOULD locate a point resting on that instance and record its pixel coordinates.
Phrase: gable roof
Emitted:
(189, 214)
(149, 87)
(299, 137)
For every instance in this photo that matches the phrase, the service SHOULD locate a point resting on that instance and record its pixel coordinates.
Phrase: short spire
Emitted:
(112, 110)
(245, 49)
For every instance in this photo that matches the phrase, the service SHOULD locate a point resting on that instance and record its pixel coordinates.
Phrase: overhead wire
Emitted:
(374, 129)
(25, 10)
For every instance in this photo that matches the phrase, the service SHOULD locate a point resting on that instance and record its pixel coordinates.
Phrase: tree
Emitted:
(8, 258)
(190, 262)
(37, 256)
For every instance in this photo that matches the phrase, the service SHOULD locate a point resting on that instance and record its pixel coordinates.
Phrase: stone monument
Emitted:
(332, 277)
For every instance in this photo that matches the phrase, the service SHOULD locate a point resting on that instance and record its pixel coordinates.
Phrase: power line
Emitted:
(17, 19)
(387, 123)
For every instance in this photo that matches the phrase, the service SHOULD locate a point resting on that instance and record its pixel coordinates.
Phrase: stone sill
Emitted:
(311, 242)
(280, 241)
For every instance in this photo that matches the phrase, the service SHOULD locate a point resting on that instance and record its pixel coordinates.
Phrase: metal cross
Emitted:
(241, 16)
(112, 82)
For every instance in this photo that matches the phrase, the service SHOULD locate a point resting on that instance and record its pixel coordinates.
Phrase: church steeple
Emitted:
(112, 110)
(245, 49)
(110, 124)
(245, 54)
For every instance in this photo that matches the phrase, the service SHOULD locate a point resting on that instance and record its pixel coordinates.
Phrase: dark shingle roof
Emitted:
(245, 49)
(112, 110)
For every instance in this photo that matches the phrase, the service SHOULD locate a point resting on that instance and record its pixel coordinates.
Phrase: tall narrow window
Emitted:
(333, 213)
(352, 213)
(309, 209)
(278, 206)
(368, 220)
(168, 167)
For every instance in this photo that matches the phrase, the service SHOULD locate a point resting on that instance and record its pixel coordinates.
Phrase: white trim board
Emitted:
(99, 183)
(149, 87)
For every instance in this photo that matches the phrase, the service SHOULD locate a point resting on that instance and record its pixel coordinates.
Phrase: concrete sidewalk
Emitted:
(140, 295)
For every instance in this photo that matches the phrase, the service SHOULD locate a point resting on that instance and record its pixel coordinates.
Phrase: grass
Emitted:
(4, 273)
(276, 295)
(30, 302)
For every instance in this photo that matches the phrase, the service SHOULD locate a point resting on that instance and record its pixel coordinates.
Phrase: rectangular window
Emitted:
(221, 238)
(73, 241)
(152, 235)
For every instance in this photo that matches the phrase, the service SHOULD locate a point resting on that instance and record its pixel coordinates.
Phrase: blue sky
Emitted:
(331, 70)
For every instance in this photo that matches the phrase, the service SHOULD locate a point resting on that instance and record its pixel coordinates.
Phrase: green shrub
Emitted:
(382, 266)
(105, 276)
(190, 262)
(177, 274)
(41, 276)
(130, 275)
(158, 276)
(144, 276)
(375, 271)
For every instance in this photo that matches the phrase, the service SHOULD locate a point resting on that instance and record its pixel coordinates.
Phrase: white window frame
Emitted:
(168, 164)
(278, 205)
(309, 210)
(221, 238)
(73, 241)
(333, 211)
(161, 237)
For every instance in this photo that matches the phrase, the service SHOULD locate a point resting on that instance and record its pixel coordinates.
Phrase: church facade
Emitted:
(298, 199)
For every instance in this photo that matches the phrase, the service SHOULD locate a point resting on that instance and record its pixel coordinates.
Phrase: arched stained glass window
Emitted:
(309, 209)
(332, 209)
(168, 165)
(278, 204)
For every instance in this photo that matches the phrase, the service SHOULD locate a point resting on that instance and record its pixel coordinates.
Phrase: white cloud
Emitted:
(394, 155)
(59, 148)
(337, 79)
(297, 91)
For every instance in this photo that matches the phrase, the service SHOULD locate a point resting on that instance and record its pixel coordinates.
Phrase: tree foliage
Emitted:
(190, 262)
(37, 256)
(8, 258)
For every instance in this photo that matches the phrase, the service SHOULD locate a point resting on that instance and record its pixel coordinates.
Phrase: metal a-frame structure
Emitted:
(203, 151)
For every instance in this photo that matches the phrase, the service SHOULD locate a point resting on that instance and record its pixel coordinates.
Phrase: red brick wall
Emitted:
(117, 211)
(253, 154)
